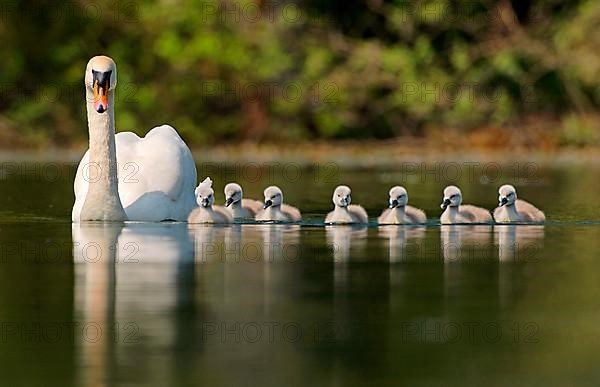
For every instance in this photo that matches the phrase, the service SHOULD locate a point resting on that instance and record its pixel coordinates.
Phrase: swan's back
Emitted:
(530, 212)
(291, 212)
(415, 215)
(473, 214)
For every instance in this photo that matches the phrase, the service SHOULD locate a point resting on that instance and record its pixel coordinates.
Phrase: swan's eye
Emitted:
(453, 196)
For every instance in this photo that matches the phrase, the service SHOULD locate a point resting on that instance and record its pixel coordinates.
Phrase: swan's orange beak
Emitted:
(101, 84)
(100, 96)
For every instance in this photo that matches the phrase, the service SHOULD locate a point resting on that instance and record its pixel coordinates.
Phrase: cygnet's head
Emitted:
(205, 196)
(507, 195)
(398, 197)
(273, 197)
(100, 78)
(452, 197)
(233, 194)
(342, 196)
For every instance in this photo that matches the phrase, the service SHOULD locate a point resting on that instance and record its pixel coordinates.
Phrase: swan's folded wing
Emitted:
(158, 162)
(416, 215)
(292, 212)
(530, 212)
(360, 213)
(475, 214)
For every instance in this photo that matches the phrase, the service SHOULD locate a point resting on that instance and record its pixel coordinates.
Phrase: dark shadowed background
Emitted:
(266, 71)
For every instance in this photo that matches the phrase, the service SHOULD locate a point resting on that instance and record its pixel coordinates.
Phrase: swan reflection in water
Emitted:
(517, 243)
(344, 238)
(462, 243)
(128, 279)
(401, 237)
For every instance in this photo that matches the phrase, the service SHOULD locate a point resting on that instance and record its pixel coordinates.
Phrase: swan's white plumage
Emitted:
(156, 173)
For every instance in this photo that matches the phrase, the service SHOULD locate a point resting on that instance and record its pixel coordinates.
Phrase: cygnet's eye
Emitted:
(453, 196)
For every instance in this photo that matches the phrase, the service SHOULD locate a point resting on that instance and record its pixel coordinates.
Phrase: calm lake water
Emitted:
(271, 305)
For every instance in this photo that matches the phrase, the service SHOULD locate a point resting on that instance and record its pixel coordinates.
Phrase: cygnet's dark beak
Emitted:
(268, 204)
(503, 201)
(445, 204)
(228, 202)
(394, 203)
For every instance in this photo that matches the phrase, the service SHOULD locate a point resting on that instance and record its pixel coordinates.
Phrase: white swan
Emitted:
(513, 210)
(274, 208)
(456, 212)
(207, 212)
(344, 212)
(400, 212)
(125, 177)
(237, 206)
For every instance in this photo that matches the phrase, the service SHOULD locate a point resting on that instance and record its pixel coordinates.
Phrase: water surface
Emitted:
(172, 304)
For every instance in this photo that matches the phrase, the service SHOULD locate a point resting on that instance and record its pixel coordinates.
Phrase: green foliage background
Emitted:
(263, 70)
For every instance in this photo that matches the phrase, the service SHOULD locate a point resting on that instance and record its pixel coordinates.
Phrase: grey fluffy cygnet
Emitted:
(275, 210)
(207, 212)
(513, 210)
(344, 212)
(237, 206)
(399, 212)
(456, 213)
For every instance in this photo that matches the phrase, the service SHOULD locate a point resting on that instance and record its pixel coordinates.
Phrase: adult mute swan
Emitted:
(125, 177)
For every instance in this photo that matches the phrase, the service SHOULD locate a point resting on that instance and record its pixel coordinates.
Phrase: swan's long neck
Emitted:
(102, 201)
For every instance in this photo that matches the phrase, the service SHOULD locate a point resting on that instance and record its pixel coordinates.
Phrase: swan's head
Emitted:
(100, 78)
(507, 195)
(233, 193)
(205, 196)
(273, 197)
(398, 197)
(452, 197)
(342, 196)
